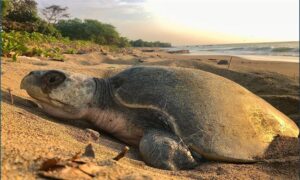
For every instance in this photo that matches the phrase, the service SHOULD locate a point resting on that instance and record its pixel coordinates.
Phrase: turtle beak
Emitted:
(24, 82)
(30, 80)
(32, 83)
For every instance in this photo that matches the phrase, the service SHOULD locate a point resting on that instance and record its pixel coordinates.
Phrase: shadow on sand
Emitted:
(283, 152)
(32, 108)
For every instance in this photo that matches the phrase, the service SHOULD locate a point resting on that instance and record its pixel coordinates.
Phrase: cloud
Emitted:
(104, 10)
(191, 21)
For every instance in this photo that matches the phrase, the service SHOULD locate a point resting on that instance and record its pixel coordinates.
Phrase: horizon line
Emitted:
(259, 42)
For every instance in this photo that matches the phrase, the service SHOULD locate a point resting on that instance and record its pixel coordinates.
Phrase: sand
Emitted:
(29, 136)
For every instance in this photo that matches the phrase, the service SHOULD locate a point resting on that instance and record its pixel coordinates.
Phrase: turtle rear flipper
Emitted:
(166, 151)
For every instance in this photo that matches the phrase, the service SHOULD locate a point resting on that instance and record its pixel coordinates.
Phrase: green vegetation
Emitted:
(21, 10)
(91, 30)
(141, 43)
(25, 33)
(37, 44)
(21, 15)
(12, 46)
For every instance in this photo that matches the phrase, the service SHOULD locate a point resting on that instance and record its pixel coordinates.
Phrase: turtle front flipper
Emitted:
(166, 151)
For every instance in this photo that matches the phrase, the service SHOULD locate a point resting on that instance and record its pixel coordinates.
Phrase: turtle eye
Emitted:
(53, 78)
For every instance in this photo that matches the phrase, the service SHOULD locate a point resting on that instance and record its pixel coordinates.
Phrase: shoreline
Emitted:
(253, 57)
(271, 58)
(267, 58)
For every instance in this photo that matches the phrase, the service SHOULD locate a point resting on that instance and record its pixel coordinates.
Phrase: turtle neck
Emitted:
(103, 93)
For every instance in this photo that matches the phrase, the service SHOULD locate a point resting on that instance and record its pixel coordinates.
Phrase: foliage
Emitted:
(37, 44)
(123, 42)
(13, 44)
(46, 28)
(21, 10)
(38, 26)
(91, 30)
(54, 13)
(141, 43)
(71, 28)
(71, 51)
(5, 5)
(21, 15)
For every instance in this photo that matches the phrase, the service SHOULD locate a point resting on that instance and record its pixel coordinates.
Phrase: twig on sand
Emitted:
(11, 95)
(57, 59)
(121, 154)
(229, 62)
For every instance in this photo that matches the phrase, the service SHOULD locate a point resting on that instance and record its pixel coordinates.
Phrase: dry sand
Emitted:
(29, 136)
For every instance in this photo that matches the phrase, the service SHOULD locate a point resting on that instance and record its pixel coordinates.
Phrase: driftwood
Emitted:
(148, 50)
(179, 52)
(56, 59)
(121, 154)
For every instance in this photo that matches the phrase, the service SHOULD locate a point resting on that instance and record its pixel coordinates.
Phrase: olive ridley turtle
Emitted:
(175, 116)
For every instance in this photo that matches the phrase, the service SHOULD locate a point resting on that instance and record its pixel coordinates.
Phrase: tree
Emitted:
(123, 42)
(71, 28)
(54, 13)
(22, 11)
(21, 15)
(89, 29)
(141, 43)
(137, 43)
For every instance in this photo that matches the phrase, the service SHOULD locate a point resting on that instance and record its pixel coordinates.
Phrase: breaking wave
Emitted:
(274, 49)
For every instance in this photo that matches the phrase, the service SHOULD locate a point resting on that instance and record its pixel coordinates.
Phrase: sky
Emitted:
(192, 22)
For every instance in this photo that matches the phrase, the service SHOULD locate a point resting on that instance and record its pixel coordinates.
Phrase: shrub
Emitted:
(37, 44)
(12, 43)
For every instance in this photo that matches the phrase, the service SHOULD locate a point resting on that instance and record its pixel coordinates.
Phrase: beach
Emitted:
(29, 136)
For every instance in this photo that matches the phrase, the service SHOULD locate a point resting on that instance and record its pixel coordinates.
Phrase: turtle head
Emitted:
(59, 93)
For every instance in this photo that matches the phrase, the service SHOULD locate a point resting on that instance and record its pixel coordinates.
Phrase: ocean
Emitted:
(286, 51)
(272, 49)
